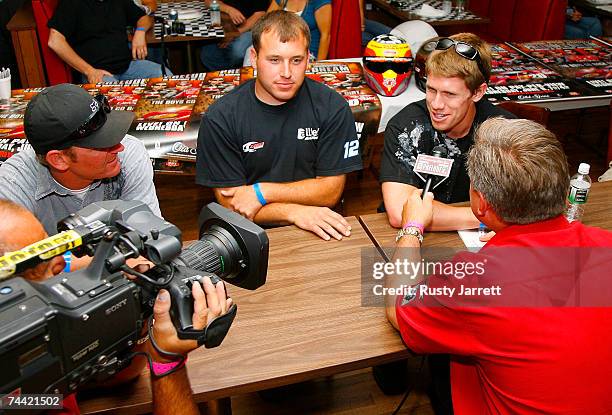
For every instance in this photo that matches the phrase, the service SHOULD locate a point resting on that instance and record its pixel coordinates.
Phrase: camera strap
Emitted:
(217, 329)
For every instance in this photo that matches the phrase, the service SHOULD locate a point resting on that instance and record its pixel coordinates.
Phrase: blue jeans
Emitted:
(138, 69)
(373, 29)
(215, 58)
(583, 28)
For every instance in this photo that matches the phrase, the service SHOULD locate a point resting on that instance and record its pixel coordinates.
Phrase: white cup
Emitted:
(5, 89)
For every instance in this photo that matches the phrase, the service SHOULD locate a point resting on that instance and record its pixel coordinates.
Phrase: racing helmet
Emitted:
(415, 32)
(387, 64)
(420, 74)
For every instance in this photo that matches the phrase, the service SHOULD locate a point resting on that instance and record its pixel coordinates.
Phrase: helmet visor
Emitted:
(381, 65)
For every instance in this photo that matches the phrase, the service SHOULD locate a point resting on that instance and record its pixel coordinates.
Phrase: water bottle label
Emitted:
(578, 196)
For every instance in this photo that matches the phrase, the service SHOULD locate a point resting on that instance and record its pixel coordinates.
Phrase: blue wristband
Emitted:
(67, 259)
(259, 195)
(141, 29)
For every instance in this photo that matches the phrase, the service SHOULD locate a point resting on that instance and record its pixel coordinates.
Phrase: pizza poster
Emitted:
(121, 95)
(516, 76)
(587, 61)
(12, 136)
(164, 119)
(215, 85)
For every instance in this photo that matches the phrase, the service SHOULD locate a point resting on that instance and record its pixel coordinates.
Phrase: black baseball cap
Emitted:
(53, 117)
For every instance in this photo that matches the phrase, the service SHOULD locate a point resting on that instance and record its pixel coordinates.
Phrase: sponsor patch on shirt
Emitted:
(252, 146)
(308, 134)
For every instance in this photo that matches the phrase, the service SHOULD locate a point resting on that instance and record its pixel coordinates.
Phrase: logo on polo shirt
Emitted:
(308, 134)
(252, 146)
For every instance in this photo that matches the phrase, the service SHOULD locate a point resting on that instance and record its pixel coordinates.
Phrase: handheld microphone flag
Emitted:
(427, 167)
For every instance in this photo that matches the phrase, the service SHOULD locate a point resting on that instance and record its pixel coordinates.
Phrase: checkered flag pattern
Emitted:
(389, 40)
(195, 28)
(411, 6)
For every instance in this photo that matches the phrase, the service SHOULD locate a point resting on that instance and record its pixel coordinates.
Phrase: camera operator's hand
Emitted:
(210, 301)
(172, 393)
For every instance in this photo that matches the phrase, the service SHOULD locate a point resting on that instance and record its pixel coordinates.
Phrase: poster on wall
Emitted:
(518, 77)
(12, 135)
(586, 61)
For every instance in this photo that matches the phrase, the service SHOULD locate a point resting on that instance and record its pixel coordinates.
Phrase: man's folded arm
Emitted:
(58, 43)
(445, 217)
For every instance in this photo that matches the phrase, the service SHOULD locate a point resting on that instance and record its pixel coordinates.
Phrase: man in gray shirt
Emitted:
(80, 154)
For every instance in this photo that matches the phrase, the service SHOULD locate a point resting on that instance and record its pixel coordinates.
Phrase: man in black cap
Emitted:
(80, 154)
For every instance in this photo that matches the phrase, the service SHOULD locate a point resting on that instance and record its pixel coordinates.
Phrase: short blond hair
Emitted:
(520, 168)
(287, 25)
(449, 64)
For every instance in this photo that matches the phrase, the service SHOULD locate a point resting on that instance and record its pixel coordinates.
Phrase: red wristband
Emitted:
(417, 225)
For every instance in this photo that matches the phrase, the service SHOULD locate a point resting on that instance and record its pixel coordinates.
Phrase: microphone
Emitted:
(438, 151)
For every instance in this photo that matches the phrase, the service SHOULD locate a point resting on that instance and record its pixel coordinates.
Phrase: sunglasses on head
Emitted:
(465, 50)
(381, 65)
(95, 121)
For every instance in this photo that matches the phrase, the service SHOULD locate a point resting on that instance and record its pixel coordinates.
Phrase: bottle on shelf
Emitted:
(580, 184)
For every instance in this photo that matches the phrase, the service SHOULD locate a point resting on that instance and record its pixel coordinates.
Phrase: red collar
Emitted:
(550, 225)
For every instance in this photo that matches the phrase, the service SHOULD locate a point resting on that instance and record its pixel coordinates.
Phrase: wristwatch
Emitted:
(410, 230)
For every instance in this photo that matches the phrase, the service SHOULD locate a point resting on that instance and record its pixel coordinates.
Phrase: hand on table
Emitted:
(96, 75)
(321, 221)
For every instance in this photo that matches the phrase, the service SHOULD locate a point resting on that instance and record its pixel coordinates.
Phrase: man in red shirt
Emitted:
(527, 325)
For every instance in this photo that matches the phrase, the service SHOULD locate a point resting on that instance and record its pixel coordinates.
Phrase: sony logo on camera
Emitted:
(115, 307)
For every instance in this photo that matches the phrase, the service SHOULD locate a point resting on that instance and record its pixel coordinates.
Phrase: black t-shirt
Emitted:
(410, 133)
(96, 30)
(243, 140)
(248, 7)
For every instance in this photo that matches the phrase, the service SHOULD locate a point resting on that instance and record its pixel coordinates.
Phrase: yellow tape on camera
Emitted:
(45, 249)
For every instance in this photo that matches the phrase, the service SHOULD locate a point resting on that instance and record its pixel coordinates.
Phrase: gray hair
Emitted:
(520, 168)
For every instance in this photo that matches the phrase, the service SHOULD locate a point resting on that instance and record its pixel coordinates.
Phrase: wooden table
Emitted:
(454, 18)
(305, 322)
(598, 212)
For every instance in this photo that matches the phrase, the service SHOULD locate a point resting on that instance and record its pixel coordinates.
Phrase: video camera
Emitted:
(76, 327)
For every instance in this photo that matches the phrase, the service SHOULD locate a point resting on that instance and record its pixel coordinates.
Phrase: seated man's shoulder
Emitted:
(19, 175)
(486, 110)
(24, 163)
(236, 101)
(134, 147)
(319, 90)
(413, 111)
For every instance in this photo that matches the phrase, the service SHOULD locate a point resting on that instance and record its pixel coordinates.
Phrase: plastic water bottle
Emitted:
(580, 184)
(215, 13)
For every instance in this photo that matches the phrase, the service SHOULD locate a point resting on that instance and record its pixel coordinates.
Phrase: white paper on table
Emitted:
(471, 239)
(427, 11)
(190, 14)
